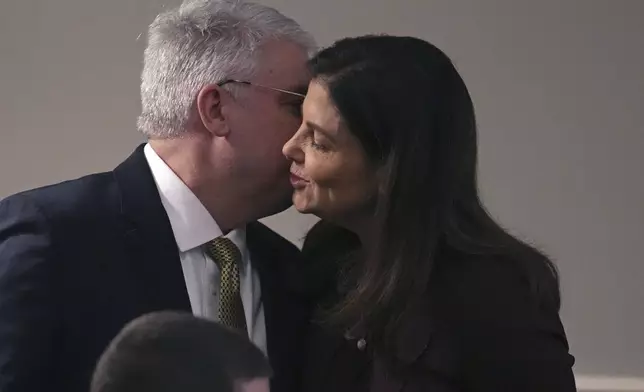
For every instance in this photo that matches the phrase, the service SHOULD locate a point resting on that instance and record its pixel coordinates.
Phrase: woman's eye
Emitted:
(319, 146)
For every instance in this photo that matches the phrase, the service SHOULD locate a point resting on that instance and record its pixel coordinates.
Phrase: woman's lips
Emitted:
(297, 181)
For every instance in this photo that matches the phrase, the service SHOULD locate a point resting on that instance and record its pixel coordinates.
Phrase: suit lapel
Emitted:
(285, 312)
(149, 238)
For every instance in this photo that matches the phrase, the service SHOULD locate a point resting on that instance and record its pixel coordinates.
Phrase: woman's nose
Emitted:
(292, 151)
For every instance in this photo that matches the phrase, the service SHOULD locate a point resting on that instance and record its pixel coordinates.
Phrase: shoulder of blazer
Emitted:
(467, 293)
(80, 200)
(488, 292)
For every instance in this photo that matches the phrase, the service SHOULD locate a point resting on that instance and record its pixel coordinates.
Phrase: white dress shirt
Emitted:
(193, 227)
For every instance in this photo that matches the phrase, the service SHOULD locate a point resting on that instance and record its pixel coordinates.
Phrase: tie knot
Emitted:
(223, 251)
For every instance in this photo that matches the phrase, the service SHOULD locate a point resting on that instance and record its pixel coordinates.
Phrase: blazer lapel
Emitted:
(149, 238)
(286, 313)
(411, 341)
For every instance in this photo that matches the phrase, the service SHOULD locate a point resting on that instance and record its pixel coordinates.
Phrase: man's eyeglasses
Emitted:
(227, 81)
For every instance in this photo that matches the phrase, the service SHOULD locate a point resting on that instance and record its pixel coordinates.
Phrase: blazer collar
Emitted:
(149, 237)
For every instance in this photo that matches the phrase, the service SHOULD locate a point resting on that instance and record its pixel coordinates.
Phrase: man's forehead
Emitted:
(283, 64)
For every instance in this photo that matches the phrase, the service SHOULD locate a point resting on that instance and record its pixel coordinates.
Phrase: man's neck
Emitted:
(227, 207)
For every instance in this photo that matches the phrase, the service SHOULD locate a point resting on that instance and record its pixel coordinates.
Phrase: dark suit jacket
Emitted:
(80, 259)
(477, 330)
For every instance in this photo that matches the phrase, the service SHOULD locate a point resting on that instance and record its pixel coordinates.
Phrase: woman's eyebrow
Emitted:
(319, 129)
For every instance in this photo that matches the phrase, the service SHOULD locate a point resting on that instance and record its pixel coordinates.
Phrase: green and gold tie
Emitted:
(228, 257)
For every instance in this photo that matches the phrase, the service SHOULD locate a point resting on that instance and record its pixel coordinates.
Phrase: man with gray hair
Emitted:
(174, 227)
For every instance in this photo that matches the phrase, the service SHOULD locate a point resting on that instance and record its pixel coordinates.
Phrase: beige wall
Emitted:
(558, 86)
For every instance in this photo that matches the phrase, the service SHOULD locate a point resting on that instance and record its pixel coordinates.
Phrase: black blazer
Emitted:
(476, 330)
(80, 259)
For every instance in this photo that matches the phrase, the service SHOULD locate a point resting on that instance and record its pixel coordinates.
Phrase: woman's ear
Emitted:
(210, 103)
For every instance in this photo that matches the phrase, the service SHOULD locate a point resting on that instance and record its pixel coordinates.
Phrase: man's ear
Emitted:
(209, 106)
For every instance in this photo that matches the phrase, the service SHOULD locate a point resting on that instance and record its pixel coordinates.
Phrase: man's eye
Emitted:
(295, 108)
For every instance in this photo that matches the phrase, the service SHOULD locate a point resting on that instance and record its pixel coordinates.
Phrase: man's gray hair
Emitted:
(200, 43)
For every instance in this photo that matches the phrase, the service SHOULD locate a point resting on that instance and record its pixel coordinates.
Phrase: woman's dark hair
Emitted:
(404, 100)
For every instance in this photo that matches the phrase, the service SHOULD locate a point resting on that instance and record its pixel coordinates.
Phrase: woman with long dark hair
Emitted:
(428, 292)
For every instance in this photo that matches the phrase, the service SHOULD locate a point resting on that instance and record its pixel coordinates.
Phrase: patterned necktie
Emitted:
(228, 257)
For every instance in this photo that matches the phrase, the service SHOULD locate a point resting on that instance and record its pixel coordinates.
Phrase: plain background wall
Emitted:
(558, 87)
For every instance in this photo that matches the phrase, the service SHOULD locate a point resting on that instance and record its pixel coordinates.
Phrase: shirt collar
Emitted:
(192, 225)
